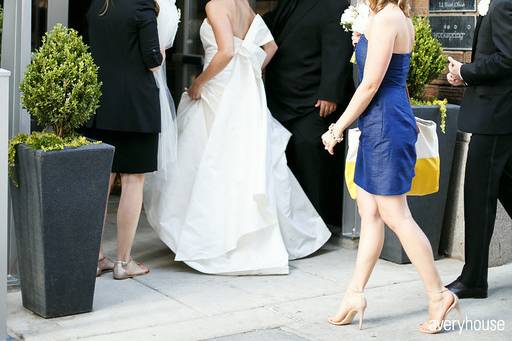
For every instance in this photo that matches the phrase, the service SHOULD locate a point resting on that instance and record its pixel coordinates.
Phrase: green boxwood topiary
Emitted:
(61, 89)
(427, 60)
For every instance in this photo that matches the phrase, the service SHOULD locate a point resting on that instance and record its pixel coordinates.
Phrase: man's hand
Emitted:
(326, 107)
(454, 80)
(454, 67)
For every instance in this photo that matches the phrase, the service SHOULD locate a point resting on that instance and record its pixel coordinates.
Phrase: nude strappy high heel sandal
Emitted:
(357, 306)
(436, 326)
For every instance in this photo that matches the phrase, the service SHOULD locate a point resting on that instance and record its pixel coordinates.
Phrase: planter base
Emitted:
(58, 213)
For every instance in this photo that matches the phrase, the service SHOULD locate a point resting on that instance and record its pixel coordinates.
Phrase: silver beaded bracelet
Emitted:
(337, 139)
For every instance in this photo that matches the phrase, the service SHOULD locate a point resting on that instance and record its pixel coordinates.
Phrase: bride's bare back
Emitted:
(229, 19)
(241, 16)
(239, 13)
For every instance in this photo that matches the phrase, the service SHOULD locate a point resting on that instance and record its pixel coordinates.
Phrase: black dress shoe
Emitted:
(464, 291)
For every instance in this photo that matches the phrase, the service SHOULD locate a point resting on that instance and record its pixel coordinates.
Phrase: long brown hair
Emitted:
(107, 4)
(377, 5)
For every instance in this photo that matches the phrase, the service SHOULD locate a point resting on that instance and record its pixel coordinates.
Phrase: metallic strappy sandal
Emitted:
(130, 269)
(104, 265)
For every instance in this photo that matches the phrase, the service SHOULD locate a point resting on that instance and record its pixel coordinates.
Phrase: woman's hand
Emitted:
(194, 92)
(355, 38)
(331, 138)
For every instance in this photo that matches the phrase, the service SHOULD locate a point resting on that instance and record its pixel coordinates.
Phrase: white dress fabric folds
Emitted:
(230, 204)
(168, 22)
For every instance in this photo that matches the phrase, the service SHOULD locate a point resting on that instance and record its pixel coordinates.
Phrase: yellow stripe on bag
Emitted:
(350, 170)
(427, 168)
(425, 181)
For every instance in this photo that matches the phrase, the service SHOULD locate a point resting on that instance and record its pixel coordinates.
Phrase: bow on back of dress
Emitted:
(248, 48)
(257, 36)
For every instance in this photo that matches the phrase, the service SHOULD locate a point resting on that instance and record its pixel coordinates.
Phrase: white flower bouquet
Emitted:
(355, 18)
(483, 7)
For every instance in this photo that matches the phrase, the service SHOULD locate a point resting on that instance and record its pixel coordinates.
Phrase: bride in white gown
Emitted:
(230, 205)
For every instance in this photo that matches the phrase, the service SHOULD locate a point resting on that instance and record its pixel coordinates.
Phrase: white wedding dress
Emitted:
(168, 22)
(230, 205)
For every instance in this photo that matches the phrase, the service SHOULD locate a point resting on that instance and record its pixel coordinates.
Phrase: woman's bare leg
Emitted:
(110, 185)
(396, 214)
(371, 241)
(128, 213)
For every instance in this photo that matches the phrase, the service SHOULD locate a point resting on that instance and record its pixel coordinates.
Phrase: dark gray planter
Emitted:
(428, 211)
(58, 213)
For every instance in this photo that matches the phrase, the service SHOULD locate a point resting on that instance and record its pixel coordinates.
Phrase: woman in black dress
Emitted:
(123, 36)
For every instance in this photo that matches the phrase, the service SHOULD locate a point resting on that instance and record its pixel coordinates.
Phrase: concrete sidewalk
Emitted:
(176, 303)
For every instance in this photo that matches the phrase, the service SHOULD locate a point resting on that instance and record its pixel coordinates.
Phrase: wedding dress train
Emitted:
(230, 205)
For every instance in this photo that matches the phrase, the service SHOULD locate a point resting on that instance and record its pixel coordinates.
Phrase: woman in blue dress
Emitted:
(386, 159)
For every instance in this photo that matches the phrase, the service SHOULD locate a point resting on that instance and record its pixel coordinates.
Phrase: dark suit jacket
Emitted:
(487, 104)
(312, 62)
(77, 17)
(124, 43)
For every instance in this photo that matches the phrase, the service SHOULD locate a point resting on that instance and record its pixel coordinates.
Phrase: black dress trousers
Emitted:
(319, 173)
(488, 179)
(311, 64)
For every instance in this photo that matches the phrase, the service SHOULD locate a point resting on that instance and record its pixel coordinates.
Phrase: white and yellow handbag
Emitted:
(427, 169)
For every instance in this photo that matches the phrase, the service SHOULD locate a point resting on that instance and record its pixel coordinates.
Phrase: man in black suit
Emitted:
(486, 112)
(309, 82)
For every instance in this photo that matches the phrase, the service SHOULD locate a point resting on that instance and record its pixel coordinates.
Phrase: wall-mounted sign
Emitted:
(454, 32)
(452, 5)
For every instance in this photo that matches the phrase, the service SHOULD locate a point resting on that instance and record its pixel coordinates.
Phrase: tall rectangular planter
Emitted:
(429, 211)
(58, 214)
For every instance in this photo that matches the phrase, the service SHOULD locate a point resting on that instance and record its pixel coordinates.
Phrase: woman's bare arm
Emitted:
(219, 20)
(380, 50)
(381, 43)
(270, 49)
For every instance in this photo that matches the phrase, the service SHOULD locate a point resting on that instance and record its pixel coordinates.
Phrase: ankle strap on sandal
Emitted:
(123, 263)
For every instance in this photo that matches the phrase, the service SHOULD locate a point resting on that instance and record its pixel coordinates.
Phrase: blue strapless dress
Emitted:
(387, 154)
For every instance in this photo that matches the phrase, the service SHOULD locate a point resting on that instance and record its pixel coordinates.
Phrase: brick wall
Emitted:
(440, 87)
(420, 7)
